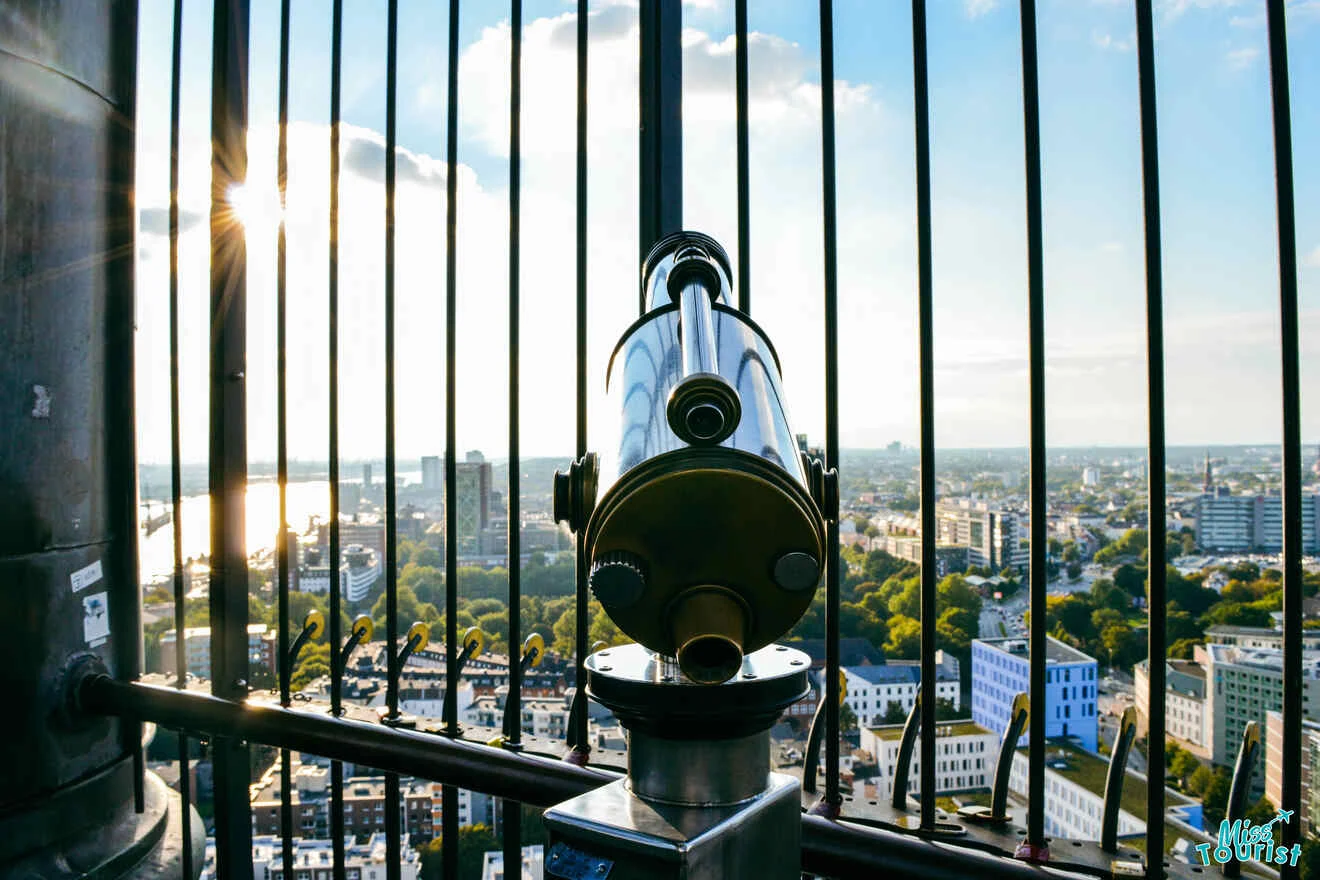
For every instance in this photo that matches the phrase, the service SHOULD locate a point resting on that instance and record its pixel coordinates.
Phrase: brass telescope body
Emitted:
(707, 540)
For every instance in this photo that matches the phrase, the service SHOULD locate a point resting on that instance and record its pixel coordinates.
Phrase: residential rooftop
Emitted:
(896, 673)
(1055, 650)
(964, 727)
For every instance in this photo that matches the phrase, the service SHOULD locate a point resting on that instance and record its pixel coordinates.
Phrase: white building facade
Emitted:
(965, 754)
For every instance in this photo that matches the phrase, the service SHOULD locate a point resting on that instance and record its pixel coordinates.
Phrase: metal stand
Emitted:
(699, 801)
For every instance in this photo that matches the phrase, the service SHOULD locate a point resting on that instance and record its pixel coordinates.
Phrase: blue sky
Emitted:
(1221, 307)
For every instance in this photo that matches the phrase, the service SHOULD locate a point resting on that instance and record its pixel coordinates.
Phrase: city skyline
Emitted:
(1218, 219)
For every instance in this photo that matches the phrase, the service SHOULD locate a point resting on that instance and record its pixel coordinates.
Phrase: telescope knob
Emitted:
(618, 578)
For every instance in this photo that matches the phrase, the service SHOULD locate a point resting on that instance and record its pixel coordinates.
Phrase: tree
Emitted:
(894, 713)
(1243, 571)
(1074, 570)
(1118, 642)
(908, 602)
(425, 555)
(1184, 649)
(904, 638)
(1215, 797)
(565, 630)
(603, 629)
(881, 566)
(1183, 766)
(1309, 863)
(847, 718)
(944, 710)
(474, 841)
(313, 662)
(1073, 613)
(495, 624)
(1200, 778)
(859, 621)
(1131, 579)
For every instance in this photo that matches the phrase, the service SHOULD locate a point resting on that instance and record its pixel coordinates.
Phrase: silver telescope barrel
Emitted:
(703, 522)
(703, 409)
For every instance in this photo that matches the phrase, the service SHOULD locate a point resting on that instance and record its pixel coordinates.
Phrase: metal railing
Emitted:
(830, 847)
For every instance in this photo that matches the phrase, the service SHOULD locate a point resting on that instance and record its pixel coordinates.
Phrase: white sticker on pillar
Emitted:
(86, 576)
(96, 619)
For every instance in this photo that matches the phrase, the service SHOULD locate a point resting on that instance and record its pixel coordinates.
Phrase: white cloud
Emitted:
(1108, 42)
(1243, 57)
(1175, 8)
(1312, 259)
(978, 8)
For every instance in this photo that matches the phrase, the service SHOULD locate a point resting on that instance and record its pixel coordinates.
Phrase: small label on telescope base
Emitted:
(567, 863)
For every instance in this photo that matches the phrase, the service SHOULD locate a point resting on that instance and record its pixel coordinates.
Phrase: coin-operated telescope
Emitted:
(704, 525)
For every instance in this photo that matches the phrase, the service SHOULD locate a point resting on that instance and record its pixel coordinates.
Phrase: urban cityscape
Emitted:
(1223, 672)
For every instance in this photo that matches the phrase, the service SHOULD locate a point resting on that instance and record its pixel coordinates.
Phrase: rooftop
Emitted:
(964, 727)
(895, 673)
(1055, 650)
(1261, 658)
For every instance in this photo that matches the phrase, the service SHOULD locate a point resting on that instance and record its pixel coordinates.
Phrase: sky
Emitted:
(1217, 192)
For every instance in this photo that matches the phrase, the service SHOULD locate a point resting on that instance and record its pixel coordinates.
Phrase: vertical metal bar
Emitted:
(926, 343)
(1292, 441)
(449, 794)
(282, 439)
(832, 796)
(579, 722)
(176, 449)
(332, 463)
(1156, 635)
(660, 152)
(393, 831)
(228, 427)
(1036, 359)
(512, 809)
(744, 184)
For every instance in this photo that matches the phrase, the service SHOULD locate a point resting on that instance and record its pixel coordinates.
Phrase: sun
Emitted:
(257, 208)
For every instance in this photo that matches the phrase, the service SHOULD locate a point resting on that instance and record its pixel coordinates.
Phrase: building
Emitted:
(359, 570)
(1244, 523)
(541, 716)
(1243, 684)
(1310, 766)
(949, 558)
(870, 689)
(1184, 704)
(197, 647)
(314, 859)
(993, 536)
(1091, 476)
(420, 803)
(433, 473)
(1257, 637)
(533, 865)
(966, 753)
(1074, 794)
(1000, 671)
(370, 535)
(474, 502)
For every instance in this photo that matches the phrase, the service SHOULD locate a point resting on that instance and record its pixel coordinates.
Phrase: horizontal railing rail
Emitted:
(828, 848)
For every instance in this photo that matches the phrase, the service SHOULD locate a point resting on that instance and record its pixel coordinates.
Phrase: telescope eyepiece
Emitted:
(709, 627)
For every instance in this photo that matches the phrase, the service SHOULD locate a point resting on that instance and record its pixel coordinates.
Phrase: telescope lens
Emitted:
(705, 421)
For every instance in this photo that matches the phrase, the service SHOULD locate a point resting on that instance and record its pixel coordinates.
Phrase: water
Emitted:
(305, 500)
